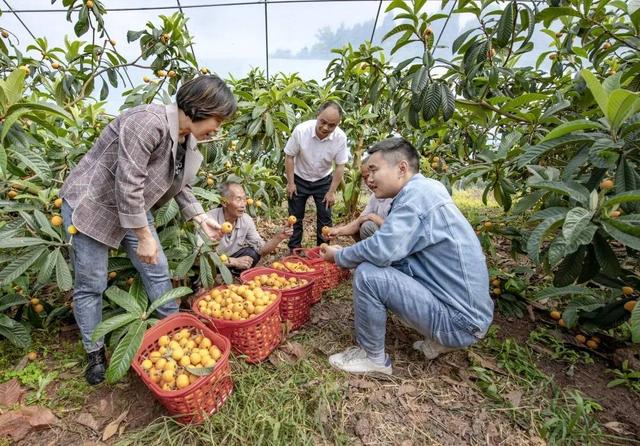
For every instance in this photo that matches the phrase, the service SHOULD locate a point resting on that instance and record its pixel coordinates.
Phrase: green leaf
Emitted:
(571, 126)
(569, 269)
(576, 220)
(170, 295)
(138, 292)
(63, 275)
(532, 153)
(11, 300)
(572, 189)
(635, 324)
(549, 14)
(398, 4)
(124, 300)
(14, 332)
(125, 351)
(185, 265)
(448, 102)
(44, 274)
(527, 202)
(526, 99)
(622, 104)
(623, 237)
(36, 163)
(21, 264)
(597, 91)
(506, 25)
(222, 268)
(206, 274)
(432, 102)
(200, 371)
(12, 87)
(607, 259)
(534, 241)
(19, 242)
(624, 197)
(564, 291)
(403, 27)
(460, 40)
(166, 213)
(111, 324)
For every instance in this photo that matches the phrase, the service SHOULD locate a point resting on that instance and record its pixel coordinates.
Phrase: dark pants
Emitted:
(246, 251)
(305, 189)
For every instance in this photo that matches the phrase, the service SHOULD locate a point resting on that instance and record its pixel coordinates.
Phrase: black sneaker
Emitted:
(97, 364)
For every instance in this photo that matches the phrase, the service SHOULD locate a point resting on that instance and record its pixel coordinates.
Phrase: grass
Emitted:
(532, 399)
(287, 404)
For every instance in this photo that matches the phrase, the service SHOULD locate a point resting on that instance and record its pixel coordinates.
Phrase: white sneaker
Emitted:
(355, 360)
(431, 349)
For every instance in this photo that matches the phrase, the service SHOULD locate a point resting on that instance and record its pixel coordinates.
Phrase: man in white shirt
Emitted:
(311, 152)
(243, 245)
(370, 219)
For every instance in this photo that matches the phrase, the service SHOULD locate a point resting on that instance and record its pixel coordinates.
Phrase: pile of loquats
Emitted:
(180, 359)
(276, 281)
(236, 303)
(296, 267)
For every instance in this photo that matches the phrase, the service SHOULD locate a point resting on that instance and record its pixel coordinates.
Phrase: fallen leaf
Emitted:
(112, 427)
(452, 381)
(362, 427)
(514, 397)
(406, 443)
(484, 362)
(406, 389)
(39, 416)
(10, 392)
(86, 419)
(22, 364)
(19, 423)
(294, 349)
(618, 428)
(361, 383)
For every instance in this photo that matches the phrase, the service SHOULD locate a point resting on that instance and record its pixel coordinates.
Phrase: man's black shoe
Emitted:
(94, 373)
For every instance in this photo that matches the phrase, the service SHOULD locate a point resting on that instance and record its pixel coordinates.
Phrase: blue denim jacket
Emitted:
(426, 236)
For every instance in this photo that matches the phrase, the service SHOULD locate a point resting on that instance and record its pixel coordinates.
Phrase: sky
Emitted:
(228, 39)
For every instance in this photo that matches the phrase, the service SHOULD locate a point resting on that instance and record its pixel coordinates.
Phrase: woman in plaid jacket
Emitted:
(142, 159)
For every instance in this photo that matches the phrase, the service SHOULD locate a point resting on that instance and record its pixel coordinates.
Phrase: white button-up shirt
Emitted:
(314, 157)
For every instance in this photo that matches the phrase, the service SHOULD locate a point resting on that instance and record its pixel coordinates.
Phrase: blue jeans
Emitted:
(376, 290)
(90, 260)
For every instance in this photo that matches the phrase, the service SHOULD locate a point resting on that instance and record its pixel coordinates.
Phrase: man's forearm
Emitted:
(270, 245)
(288, 168)
(337, 178)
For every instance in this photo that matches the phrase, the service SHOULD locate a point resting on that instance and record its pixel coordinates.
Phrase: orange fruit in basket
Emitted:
(168, 376)
(185, 361)
(215, 352)
(154, 356)
(163, 341)
(195, 358)
(177, 354)
(147, 364)
(206, 343)
(182, 381)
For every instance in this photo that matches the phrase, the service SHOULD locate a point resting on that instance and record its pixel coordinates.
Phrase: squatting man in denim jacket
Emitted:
(425, 264)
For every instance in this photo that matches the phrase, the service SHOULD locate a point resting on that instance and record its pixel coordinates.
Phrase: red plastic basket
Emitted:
(332, 273)
(316, 276)
(196, 402)
(255, 338)
(295, 305)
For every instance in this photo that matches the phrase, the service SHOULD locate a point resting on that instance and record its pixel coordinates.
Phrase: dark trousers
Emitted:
(246, 251)
(306, 189)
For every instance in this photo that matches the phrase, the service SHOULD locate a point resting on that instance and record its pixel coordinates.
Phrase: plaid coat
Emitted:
(128, 171)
